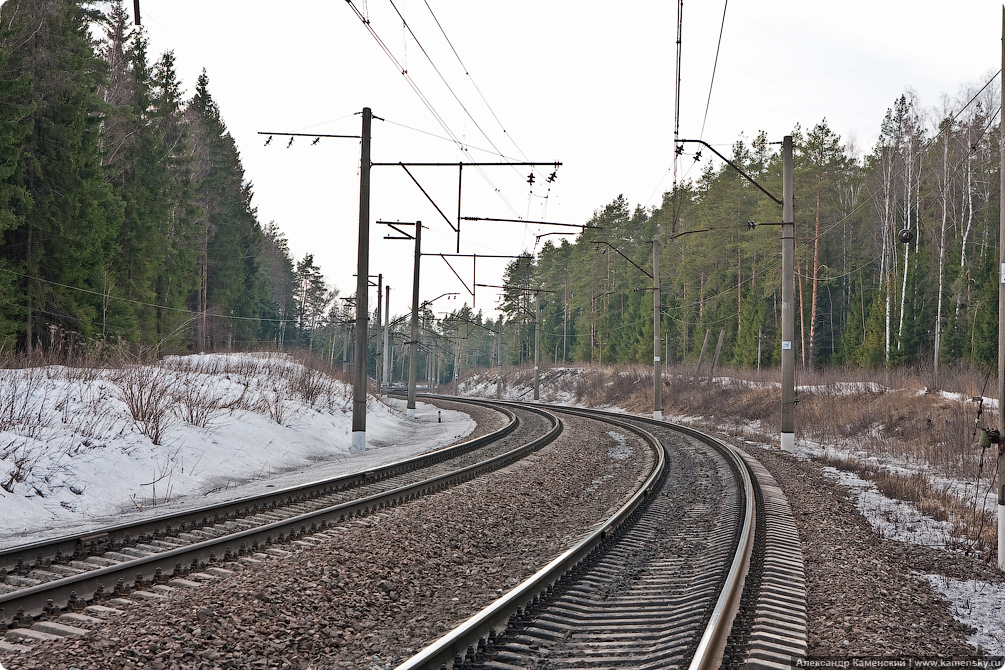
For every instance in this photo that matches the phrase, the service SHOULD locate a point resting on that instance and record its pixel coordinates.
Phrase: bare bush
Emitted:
(22, 459)
(195, 403)
(146, 392)
(973, 524)
(273, 404)
(309, 384)
(23, 395)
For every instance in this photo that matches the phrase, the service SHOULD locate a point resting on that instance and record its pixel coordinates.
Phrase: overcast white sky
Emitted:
(590, 84)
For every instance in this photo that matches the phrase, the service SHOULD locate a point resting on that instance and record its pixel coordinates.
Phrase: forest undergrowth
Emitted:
(57, 404)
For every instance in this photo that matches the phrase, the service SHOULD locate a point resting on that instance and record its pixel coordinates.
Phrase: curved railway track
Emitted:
(701, 569)
(44, 578)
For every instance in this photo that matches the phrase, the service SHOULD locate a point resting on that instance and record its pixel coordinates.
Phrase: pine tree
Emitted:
(313, 298)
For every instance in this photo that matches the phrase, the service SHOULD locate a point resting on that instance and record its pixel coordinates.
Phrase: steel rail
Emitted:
(68, 591)
(535, 588)
(712, 643)
(772, 623)
(450, 649)
(80, 544)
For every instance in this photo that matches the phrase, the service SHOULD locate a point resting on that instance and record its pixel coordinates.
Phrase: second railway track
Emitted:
(46, 577)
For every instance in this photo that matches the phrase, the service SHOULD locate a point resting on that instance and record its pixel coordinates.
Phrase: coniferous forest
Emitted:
(126, 217)
(125, 212)
(863, 297)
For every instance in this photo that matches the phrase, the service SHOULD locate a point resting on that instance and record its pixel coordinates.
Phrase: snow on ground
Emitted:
(556, 386)
(978, 604)
(621, 449)
(72, 456)
(890, 518)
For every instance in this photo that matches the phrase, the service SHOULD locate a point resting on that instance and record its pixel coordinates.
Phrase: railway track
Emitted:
(653, 586)
(43, 579)
(701, 569)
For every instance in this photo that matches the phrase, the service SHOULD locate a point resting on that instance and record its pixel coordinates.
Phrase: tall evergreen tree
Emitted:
(65, 238)
(177, 277)
(15, 201)
(231, 294)
(136, 162)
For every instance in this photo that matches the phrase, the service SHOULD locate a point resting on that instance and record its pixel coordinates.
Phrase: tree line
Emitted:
(126, 215)
(125, 212)
(863, 298)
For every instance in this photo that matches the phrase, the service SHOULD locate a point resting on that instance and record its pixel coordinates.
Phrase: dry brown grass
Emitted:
(974, 526)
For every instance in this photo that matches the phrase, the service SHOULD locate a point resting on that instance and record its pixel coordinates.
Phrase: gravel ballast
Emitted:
(381, 587)
(866, 595)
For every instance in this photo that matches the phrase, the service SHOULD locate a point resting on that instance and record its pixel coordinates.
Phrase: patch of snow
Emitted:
(893, 519)
(621, 449)
(597, 482)
(844, 388)
(979, 605)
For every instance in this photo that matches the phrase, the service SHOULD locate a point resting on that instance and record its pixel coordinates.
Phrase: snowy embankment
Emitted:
(90, 447)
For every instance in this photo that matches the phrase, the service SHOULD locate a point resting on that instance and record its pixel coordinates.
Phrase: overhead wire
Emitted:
(404, 72)
(488, 106)
(928, 146)
(440, 75)
(675, 210)
(461, 145)
(715, 65)
(869, 199)
(473, 83)
(677, 101)
(131, 301)
(491, 152)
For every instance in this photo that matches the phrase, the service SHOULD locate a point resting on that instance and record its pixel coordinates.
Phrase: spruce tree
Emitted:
(15, 201)
(177, 277)
(63, 239)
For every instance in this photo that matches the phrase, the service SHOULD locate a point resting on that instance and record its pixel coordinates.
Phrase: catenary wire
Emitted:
(715, 65)
(473, 83)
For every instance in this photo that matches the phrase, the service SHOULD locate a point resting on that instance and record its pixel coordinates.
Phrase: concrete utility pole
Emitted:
(345, 343)
(413, 348)
(457, 360)
(537, 346)
(380, 340)
(499, 355)
(1001, 336)
(387, 334)
(788, 436)
(657, 363)
(362, 286)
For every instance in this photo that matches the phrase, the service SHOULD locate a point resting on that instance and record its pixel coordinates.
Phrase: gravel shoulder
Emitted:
(381, 587)
(866, 595)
